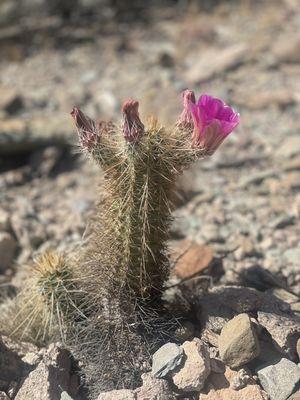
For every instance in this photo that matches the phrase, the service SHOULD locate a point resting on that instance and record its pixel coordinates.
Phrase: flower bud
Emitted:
(133, 128)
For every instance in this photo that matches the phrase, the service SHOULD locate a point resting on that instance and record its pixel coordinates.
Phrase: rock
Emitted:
(279, 380)
(50, 378)
(3, 396)
(222, 387)
(8, 248)
(298, 347)
(284, 295)
(283, 221)
(154, 389)
(215, 61)
(165, 359)
(196, 368)
(123, 394)
(192, 259)
(284, 330)
(238, 342)
(4, 220)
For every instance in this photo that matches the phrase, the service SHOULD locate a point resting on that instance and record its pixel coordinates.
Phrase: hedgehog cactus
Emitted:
(141, 164)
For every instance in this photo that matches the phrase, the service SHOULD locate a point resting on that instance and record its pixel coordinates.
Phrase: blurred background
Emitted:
(243, 204)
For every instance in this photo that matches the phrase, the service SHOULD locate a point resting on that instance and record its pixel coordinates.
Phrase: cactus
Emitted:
(140, 169)
(107, 303)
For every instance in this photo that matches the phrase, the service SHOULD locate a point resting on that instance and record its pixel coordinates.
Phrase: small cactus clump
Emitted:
(106, 303)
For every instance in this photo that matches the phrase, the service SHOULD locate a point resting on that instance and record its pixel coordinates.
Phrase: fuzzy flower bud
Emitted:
(213, 122)
(186, 120)
(86, 128)
(133, 127)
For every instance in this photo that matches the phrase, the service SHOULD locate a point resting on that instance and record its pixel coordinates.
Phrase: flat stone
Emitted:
(223, 387)
(8, 248)
(122, 394)
(238, 342)
(279, 380)
(154, 389)
(192, 260)
(196, 368)
(165, 359)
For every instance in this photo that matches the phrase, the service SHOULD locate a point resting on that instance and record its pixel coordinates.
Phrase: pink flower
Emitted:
(133, 127)
(213, 122)
(86, 127)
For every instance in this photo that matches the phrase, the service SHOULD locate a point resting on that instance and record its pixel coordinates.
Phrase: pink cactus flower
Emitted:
(133, 127)
(213, 122)
(87, 130)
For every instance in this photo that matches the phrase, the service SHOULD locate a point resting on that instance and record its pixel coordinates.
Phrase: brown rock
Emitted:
(221, 387)
(192, 259)
(8, 248)
(238, 342)
(196, 368)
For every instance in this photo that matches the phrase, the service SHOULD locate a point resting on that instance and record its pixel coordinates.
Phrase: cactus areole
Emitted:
(140, 164)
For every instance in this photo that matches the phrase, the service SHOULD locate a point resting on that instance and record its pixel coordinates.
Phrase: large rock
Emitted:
(238, 342)
(11, 365)
(165, 359)
(51, 377)
(196, 368)
(222, 387)
(279, 380)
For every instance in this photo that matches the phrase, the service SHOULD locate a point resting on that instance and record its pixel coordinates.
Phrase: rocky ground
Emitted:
(237, 218)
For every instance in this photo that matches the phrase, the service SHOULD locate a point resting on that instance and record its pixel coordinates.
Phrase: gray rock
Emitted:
(165, 359)
(238, 342)
(279, 380)
(11, 365)
(3, 396)
(8, 248)
(196, 368)
(154, 389)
